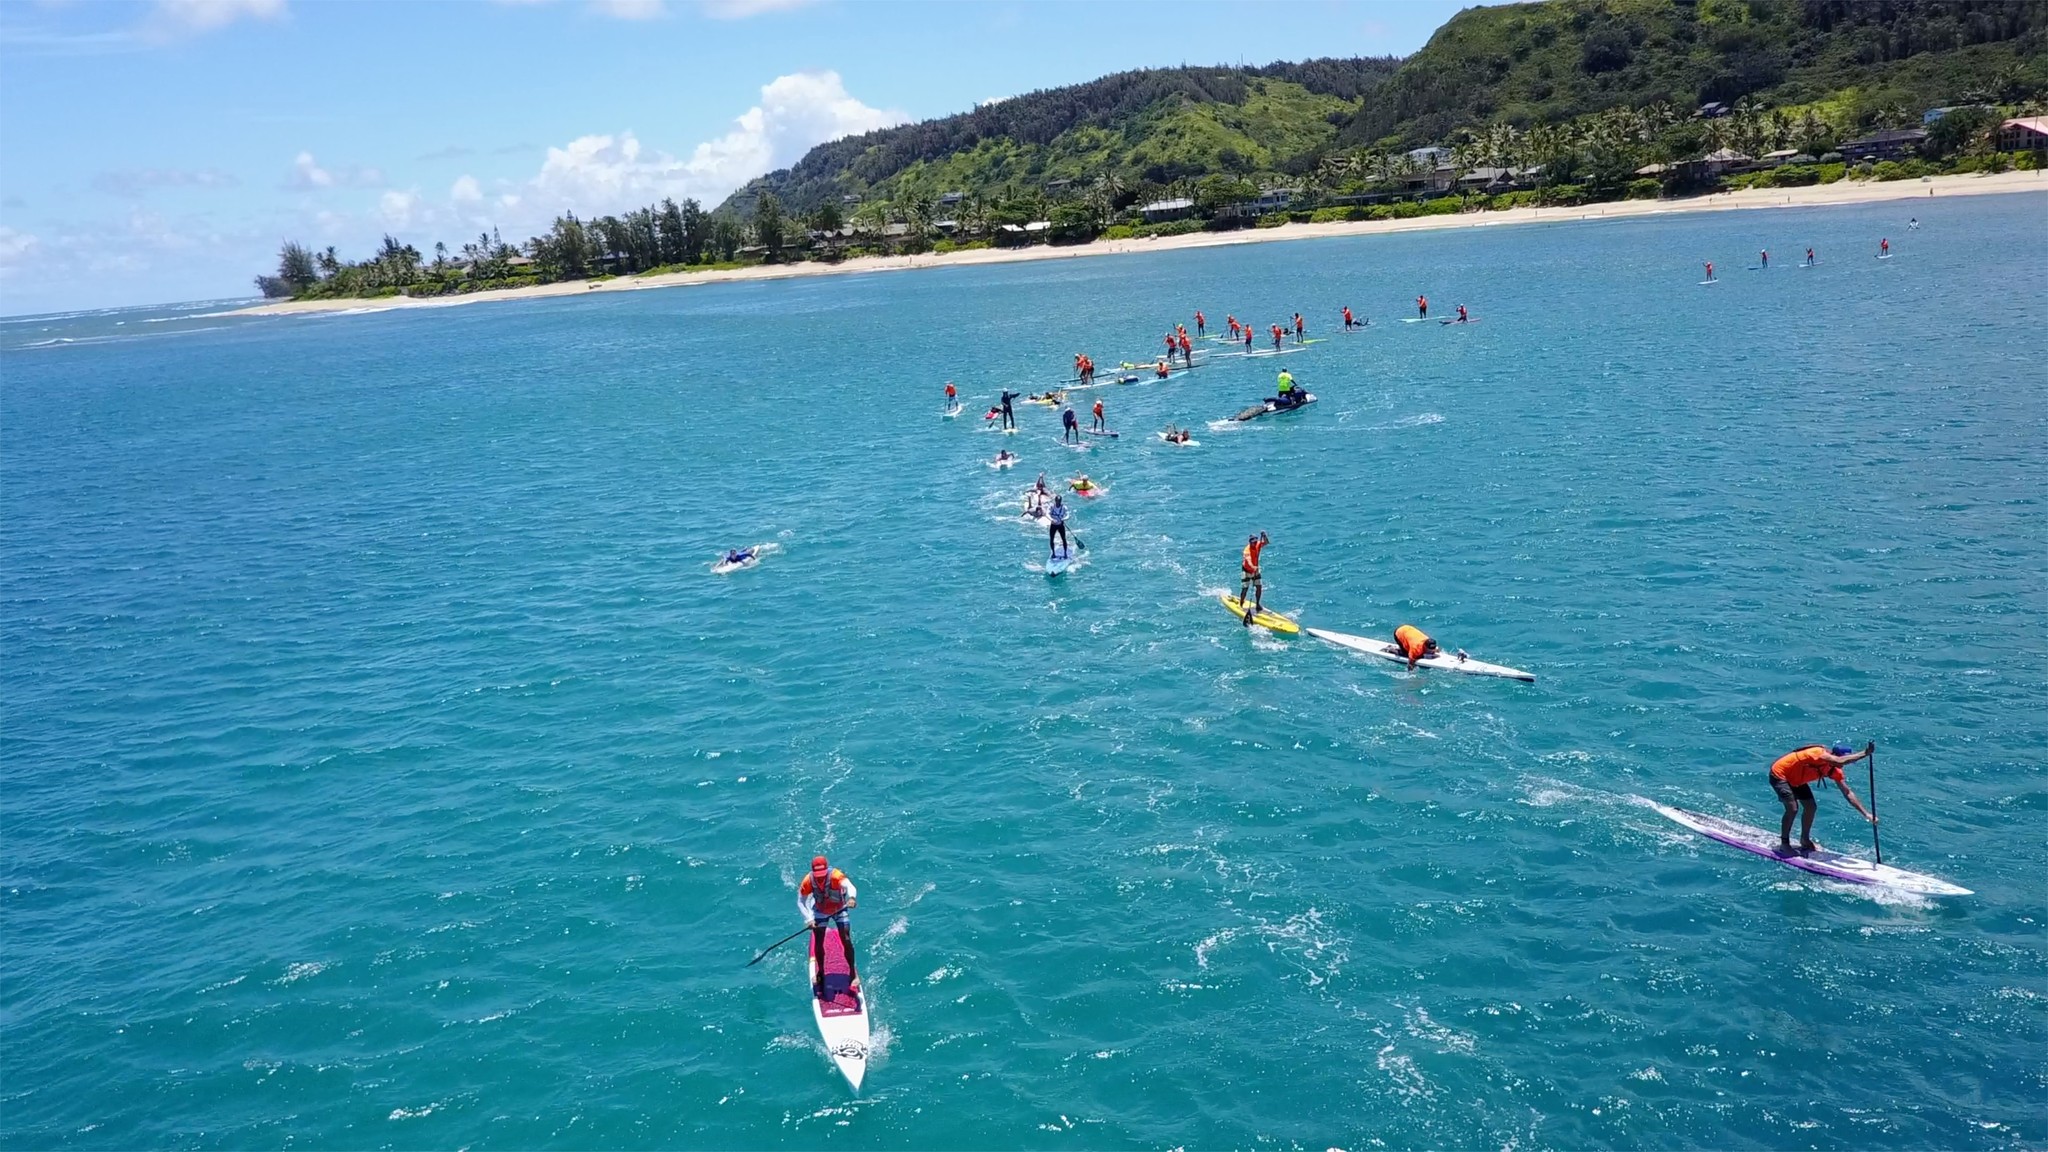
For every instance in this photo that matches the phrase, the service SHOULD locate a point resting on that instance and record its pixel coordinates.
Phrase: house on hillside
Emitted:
(1497, 180)
(1893, 144)
(2024, 134)
(1179, 208)
(1441, 178)
(1712, 111)
(1429, 157)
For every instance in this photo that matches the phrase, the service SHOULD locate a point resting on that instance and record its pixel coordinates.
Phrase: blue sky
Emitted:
(161, 150)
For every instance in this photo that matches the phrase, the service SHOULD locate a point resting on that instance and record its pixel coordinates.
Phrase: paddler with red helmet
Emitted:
(826, 895)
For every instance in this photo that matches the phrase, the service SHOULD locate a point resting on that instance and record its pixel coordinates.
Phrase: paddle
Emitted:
(1870, 754)
(779, 943)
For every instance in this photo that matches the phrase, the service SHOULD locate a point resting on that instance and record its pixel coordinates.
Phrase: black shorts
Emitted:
(1791, 793)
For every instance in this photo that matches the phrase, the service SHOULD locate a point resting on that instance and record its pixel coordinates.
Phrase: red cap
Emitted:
(818, 865)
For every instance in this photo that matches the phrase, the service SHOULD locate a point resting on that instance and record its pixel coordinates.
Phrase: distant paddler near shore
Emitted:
(1710, 273)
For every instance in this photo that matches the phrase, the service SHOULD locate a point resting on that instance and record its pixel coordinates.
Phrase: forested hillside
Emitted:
(1529, 64)
(1157, 125)
(1863, 63)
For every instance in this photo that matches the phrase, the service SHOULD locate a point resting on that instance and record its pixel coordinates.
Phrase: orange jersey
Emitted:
(1806, 766)
(1251, 556)
(1412, 641)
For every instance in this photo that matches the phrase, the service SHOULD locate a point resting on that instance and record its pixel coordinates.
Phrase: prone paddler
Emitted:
(826, 896)
(1251, 579)
(1792, 778)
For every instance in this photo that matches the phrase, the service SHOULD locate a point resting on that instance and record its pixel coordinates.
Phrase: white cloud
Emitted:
(15, 247)
(307, 175)
(630, 9)
(466, 191)
(194, 16)
(140, 182)
(397, 209)
(605, 173)
(743, 9)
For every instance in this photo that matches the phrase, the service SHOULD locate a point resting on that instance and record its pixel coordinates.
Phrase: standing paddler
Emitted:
(826, 896)
(1252, 581)
(1792, 778)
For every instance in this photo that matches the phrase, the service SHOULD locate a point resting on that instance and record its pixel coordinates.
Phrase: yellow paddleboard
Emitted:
(1264, 619)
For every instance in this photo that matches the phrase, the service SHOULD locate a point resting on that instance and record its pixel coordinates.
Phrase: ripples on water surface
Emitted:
(383, 765)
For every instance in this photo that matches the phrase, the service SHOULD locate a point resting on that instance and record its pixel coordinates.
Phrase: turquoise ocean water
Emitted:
(382, 765)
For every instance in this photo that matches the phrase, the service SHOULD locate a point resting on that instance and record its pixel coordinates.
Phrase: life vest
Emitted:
(828, 899)
(1251, 557)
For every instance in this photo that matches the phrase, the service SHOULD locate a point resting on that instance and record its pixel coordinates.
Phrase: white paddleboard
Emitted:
(1179, 443)
(1057, 563)
(843, 1015)
(1444, 662)
(955, 410)
(1824, 862)
(753, 557)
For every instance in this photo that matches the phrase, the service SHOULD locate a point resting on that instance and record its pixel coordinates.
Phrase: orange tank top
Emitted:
(1806, 766)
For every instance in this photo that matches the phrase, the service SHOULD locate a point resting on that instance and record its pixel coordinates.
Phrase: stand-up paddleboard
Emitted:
(1413, 319)
(999, 465)
(1271, 621)
(1705, 282)
(1190, 443)
(1274, 352)
(843, 1014)
(1833, 865)
(1446, 661)
(1473, 320)
(955, 410)
(1886, 256)
(1059, 561)
(1104, 434)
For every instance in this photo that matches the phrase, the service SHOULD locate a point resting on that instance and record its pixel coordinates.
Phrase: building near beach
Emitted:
(2024, 134)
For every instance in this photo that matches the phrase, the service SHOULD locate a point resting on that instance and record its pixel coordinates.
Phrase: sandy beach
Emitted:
(1841, 192)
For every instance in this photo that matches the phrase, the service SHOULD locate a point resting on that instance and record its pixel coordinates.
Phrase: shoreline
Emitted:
(1819, 195)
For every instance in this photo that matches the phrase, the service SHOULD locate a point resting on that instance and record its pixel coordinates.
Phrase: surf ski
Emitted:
(1264, 618)
(842, 1013)
(1443, 661)
(1822, 862)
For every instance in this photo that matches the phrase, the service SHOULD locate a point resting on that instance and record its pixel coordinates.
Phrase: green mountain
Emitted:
(1862, 63)
(1153, 126)
(1528, 64)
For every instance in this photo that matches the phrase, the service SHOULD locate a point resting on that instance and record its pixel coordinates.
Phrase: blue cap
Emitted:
(1841, 750)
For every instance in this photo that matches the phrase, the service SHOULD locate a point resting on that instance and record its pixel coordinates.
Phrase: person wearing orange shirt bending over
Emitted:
(1792, 778)
(1415, 644)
